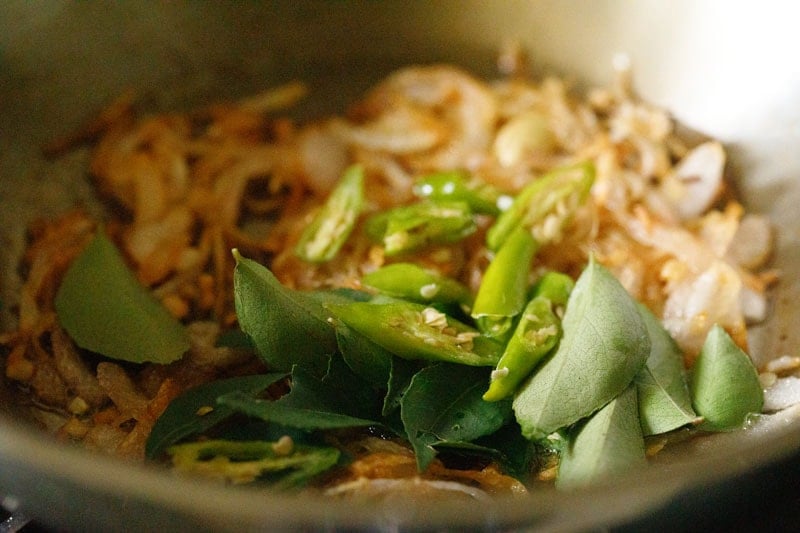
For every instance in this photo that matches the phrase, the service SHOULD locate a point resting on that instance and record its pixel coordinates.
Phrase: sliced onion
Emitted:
(527, 133)
(323, 157)
(466, 106)
(753, 304)
(784, 393)
(121, 389)
(783, 364)
(145, 239)
(74, 371)
(717, 228)
(696, 181)
(752, 243)
(401, 130)
(695, 304)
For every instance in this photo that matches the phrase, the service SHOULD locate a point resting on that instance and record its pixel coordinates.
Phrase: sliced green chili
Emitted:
(456, 186)
(545, 205)
(330, 228)
(536, 334)
(556, 287)
(504, 288)
(288, 464)
(414, 331)
(411, 227)
(412, 282)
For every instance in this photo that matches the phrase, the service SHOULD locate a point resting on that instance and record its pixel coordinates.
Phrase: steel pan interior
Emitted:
(723, 69)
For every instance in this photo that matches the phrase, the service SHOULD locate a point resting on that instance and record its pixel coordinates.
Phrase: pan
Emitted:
(721, 69)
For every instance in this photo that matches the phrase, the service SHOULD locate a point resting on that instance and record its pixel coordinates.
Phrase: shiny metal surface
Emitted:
(725, 69)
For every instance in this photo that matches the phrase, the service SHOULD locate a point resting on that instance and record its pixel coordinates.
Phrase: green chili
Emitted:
(412, 282)
(544, 206)
(536, 334)
(330, 228)
(411, 227)
(456, 186)
(556, 287)
(414, 331)
(503, 290)
(287, 464)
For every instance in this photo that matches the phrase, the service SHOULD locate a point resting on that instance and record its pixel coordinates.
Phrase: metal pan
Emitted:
(724, 69)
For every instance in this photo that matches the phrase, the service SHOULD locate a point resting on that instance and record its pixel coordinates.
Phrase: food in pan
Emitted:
(482, 285)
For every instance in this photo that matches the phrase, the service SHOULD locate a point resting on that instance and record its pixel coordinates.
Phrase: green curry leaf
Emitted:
(608, 444)
(185, 415)
(664, 401)
(375, 364)
(287, 327)
(338, 400)
(306, 418)
(444, 403)
(366, 358)
(105, 309)
(514, 452)
(724, 384)
(400, 376)
(605, 344)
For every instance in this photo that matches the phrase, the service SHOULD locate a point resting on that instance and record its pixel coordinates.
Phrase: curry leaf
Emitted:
(400, 376)
(306, 418)
(340, 391)
(287, 327)
(443, 404)
(664, 401)
(375, 364)
(605, 344)
(609, 444)
(244, 429)
(236, 339)
(366, 358)
(338, 400)
(724, 384)
(185, 415)
(105, 309)
(471, 453)
(514, 452)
